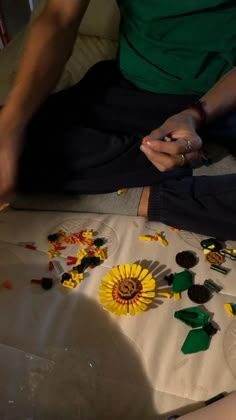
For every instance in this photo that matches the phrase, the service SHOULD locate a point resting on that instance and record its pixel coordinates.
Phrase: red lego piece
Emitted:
(50, 266)
(59, 248)
(7, 284)
(32, 247)
(35, 281)
(71, 260)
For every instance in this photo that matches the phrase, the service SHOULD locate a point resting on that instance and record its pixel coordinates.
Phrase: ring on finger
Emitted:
(183, 159)
(188, 147)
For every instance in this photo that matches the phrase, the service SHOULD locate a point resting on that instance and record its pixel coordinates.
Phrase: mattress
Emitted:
(64, 357)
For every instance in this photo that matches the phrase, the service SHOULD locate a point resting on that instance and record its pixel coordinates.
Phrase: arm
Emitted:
(49, 46)
(221, 98)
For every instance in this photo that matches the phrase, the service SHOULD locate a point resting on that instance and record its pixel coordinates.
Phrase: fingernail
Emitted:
(145, 140)
(142, 147)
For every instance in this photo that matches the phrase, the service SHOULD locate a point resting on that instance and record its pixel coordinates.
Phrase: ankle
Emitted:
(143, 204)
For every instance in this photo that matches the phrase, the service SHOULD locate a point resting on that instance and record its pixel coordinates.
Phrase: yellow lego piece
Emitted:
(70, 284)
(87, 234)
(80, 255)
(165, 294)
(206, 251)
(52, 253)
(162, 240)
(177, 296)
(76, 276)
(145, 238)
(229, 310)
(230, 251)
(101, 253)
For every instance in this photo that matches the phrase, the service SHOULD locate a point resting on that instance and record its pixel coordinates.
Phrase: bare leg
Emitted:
(143, 204)
(224, 409)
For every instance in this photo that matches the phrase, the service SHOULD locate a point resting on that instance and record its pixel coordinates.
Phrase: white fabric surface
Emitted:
(66, 358)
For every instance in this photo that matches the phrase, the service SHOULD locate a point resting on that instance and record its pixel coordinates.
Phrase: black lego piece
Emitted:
(199, 293)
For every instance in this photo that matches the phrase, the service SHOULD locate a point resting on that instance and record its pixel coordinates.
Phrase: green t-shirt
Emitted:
(177, 46)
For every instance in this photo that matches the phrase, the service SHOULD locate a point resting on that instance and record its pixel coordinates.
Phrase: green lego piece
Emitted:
(194, 317)
(219, 268)
(196, 340)
(233, 306)
(212, 286)
(182, 281)
(212, 244)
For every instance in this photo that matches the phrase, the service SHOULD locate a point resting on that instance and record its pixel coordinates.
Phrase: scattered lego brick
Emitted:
(71, 260)
(230, 309)
(58, 267)
(7, 285)
(186, 259)
(220, 269)
(50, 266)
(174, 229)
(32, 247)
(121, 191)
(157, 237)
(45, 282)
(215, 258)
(52, 253)
(199, 293)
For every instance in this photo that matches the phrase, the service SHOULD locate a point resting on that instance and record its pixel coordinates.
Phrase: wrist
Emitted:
(192, 117)
(197, 113)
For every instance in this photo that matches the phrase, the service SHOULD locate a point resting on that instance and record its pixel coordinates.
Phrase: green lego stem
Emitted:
(212, 286)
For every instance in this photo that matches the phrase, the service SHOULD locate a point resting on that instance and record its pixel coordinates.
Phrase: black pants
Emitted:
(86, 140)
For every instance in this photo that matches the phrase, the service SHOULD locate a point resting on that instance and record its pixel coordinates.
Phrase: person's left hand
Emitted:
(165, 153)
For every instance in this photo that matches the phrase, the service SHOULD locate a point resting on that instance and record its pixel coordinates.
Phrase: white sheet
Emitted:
(85, 363)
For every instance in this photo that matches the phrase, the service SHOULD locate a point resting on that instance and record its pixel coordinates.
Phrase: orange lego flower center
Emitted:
(127, 290)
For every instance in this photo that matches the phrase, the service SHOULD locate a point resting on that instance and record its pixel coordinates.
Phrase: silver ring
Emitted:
(183, 159)
(167, 139)
(188, 147)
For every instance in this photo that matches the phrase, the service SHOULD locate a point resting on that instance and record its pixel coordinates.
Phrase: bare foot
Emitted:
(143, 204)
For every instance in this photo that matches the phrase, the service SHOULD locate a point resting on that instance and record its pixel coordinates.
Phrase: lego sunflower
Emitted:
(127, 289)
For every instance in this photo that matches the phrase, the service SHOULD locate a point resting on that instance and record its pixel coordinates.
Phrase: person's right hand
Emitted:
(9, 154)
(166, 155)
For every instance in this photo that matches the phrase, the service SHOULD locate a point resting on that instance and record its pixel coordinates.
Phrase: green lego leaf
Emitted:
(182, 281)
(193, 317)
(196, 340)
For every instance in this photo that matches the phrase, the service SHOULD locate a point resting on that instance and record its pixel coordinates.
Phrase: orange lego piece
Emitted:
(7, 285)
(121, 191)
(174, 229)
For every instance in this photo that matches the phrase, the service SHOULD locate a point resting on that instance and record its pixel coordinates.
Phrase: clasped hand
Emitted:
(173, 144)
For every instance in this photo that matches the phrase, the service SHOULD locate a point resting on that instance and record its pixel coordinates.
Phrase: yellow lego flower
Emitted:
(127, 289)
